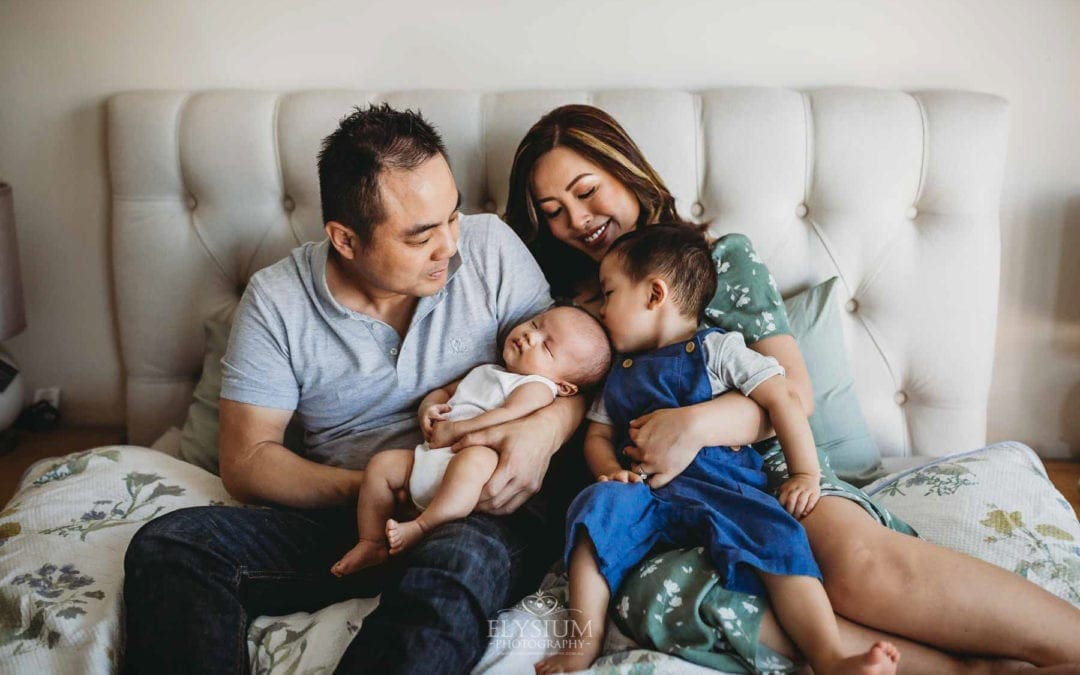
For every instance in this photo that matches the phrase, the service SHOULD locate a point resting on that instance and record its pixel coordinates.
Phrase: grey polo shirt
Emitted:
(354, 382)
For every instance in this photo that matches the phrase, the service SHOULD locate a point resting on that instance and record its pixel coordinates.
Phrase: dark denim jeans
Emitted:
(195, 579)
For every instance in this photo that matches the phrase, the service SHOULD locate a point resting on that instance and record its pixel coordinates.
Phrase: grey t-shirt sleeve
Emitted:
(733, 365)
(598, 411)
(256, 368)
(518, 287)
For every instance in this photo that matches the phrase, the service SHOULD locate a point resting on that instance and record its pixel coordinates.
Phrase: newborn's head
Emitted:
(564, 344)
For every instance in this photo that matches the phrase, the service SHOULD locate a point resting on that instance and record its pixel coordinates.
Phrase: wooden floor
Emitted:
(1065, 474)
(33, 446)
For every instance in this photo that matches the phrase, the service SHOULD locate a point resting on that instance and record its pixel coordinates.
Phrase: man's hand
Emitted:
(525, 447)
(664, 444)
(431, 415)
(799, 494)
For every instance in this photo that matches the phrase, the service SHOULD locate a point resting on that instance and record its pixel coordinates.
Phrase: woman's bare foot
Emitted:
(365, 554)
(403, 536)
(880, 660)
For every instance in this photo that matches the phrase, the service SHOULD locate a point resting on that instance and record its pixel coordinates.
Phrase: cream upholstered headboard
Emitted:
(895, 193)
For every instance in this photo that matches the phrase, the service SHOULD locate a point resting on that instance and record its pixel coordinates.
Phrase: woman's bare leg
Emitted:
(917, 659)
(386, 474)
(456, 497)
(898, 584)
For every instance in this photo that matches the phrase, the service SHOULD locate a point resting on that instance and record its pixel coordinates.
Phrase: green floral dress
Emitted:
(672, 602)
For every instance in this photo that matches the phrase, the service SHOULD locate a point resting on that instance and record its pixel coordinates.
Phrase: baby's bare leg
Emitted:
(386, 473)
(804, 611)
(589, 597)
(456, 497)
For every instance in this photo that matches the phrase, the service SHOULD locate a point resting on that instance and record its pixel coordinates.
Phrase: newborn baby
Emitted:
(553, 354)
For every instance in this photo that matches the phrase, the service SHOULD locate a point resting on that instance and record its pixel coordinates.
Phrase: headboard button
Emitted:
(900, 398)
(852, 305)
(801, 210)
(912, 213)
(490, 206)
(697, 210)
(289, 204)
(192, 202)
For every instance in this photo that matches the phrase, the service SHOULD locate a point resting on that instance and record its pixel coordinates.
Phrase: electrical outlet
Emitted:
(50, 394)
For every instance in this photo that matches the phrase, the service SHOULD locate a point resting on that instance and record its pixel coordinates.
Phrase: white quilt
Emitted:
(64, 534)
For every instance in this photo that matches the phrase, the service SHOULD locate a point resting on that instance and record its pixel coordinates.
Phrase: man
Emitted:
(404, 295)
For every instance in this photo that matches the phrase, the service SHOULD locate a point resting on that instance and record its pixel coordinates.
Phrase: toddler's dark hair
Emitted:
(679, 254)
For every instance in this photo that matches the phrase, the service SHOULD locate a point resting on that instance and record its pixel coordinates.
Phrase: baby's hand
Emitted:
(799, 494)
(443, 434)
(433, 413)
(622, 476)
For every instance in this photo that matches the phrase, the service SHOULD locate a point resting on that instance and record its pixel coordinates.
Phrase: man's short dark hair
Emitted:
(677, 253)
(365, 144)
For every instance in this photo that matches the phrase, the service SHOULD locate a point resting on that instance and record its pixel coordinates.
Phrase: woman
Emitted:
(577, 183)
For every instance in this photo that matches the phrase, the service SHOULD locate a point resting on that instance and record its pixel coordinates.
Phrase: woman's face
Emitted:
(585, 206)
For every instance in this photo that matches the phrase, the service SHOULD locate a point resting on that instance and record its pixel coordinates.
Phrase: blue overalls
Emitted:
(718, 502)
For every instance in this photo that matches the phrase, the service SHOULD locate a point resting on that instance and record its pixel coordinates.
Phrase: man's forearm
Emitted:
(565, 415)
(271, 473)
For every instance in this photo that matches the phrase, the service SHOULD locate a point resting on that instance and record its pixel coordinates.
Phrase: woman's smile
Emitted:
(592, 235)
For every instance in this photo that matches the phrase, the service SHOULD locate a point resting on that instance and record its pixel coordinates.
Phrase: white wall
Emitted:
(60, 60)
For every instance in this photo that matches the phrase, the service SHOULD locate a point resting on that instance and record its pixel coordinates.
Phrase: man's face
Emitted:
(409, 252)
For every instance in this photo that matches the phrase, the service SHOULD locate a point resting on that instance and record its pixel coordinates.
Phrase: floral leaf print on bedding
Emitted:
(940, 479)
(125, 511)
(74, 465)
(279, 647)
(1010, 525)
(59, 594)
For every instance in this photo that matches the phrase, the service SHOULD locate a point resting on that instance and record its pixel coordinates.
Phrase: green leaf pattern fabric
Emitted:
(60, 578)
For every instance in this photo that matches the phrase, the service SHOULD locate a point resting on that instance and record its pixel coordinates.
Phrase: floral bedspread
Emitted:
(997, 504)
(64, 534)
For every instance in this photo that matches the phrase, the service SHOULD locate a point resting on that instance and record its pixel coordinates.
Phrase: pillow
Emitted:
(62, 568)
(837, 422)
(996, 504)
(199, 437)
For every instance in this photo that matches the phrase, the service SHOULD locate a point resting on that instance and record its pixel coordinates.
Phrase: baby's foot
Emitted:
(403, 536)
(364, 554)
(880, 660)
(571, 660)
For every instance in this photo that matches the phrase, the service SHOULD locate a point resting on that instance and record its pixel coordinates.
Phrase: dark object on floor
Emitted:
(41, 416)
(9, 438)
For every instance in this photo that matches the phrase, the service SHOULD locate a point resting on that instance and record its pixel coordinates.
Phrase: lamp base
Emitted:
(12, 397)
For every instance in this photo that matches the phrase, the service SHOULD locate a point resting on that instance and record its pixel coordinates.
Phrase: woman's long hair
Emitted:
(596, 136)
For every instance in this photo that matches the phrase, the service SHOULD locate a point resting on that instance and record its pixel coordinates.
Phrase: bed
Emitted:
(896, 194)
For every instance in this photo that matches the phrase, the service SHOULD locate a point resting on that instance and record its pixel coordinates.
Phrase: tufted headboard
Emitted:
(895, 193)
